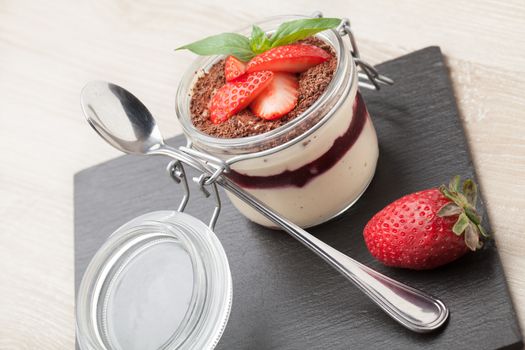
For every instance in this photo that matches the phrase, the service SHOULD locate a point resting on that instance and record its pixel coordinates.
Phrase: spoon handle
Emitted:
(412, 308)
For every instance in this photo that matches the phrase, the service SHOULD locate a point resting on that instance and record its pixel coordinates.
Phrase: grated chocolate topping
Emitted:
(312, 84)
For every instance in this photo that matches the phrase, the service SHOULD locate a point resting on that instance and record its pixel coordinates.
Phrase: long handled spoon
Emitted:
(126, 124)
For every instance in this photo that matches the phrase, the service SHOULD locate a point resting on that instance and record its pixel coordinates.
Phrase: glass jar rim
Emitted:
(345, 70)
(208, 311)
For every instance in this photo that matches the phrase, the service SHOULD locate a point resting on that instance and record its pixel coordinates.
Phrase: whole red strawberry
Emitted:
(427, 229)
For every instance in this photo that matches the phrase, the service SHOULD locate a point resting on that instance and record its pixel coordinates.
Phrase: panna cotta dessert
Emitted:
(288, 118)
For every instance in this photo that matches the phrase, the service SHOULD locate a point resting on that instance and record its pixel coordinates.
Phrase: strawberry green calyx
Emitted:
(463, 204)
(245, 48)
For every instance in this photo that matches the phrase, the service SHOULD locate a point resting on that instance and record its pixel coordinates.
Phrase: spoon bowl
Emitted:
(120, 118)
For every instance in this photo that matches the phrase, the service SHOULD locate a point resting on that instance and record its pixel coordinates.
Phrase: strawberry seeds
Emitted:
(237, 95)
(273, 95)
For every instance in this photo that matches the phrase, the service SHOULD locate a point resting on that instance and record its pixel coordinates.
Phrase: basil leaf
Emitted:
(259, 41)
(222, 44)
(292, 31)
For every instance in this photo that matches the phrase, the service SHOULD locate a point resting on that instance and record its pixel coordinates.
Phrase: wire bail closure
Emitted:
(369, 76)
(176, 171)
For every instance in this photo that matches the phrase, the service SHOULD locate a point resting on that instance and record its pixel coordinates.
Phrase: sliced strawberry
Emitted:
(289, 58)
(279, 98)
(238, 94)
(233, 68)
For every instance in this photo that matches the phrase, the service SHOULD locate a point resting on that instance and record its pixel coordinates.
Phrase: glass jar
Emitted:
(314, 167)
(161, 281)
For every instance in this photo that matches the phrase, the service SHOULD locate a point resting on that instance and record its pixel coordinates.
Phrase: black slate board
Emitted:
(287, 298)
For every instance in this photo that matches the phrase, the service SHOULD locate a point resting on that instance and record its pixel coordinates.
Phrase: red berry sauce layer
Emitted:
(301, 176)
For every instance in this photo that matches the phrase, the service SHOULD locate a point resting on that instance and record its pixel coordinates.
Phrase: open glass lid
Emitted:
(161, 281)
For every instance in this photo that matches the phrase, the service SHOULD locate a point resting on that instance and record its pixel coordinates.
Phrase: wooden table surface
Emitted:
(50, 49)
